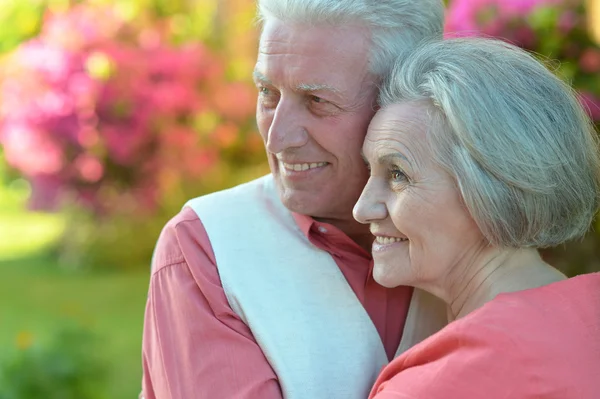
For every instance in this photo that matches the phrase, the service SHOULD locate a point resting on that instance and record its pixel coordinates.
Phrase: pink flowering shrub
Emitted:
(100, 111)
(556, 29)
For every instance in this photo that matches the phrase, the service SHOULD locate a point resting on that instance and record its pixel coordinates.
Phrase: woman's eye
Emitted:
(397, 175)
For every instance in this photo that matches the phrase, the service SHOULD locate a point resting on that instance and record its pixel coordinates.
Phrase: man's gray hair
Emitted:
(396, 26)
(521, 148)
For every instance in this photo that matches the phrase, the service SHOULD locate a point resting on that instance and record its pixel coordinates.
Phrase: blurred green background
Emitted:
(112, 114)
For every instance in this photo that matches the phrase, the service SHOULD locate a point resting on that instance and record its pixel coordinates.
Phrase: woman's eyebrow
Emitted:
(393, 157)
(387, 158)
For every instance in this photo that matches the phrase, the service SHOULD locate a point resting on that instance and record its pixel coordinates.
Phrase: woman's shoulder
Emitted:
(519, 344)
(463, 360)
(563, 307)
(541, 324)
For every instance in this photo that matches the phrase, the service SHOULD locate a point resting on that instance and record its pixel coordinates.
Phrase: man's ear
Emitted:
(375, 106)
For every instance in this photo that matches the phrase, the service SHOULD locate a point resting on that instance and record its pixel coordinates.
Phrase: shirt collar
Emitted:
(304, 222)
(331, 238)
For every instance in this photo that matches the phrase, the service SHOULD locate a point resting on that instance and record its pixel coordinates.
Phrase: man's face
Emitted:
(315, 102)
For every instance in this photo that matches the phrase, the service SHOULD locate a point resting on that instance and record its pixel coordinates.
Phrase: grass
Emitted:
(37, 297)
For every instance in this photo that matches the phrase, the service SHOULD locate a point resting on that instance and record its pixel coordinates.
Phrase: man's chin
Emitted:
(300, 201)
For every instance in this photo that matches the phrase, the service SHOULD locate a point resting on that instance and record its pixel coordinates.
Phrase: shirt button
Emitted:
(322, 229)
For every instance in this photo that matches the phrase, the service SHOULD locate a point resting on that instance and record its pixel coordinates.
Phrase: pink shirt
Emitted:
(541, 343)
(195, 346)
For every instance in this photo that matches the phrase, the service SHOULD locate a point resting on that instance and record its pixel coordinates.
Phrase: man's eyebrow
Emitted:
(259, 77)
(316, 87)
(302, 87)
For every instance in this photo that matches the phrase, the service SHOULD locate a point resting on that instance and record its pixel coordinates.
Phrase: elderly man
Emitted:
(265, 290)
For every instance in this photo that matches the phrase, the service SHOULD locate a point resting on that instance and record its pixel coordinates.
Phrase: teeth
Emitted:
(389, 240)
(300, 167)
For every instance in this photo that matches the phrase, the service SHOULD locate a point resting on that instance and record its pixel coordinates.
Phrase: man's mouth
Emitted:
(300, 167)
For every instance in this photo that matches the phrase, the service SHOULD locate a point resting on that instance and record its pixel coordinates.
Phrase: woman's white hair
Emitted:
(521, 148)
(396, 26)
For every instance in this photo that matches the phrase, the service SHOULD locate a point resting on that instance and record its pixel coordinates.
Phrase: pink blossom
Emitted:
(88, 137)
(235, 100)
(567, 21)
(31, 151)
(175, 98)
(473, 17)
(461, 15)
(225, 135)
(200, 162)
(89, 167)
(179, 138)
(589, 61)
(78, 132)
(81, 25)
(124, 146)
(591, 103)
(523, 7)
(53, 63)
(46, 192)
(55, 103)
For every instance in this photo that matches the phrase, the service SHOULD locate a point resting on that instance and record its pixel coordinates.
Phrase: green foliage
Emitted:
(65, 368)
(20, 20)
(37, 297)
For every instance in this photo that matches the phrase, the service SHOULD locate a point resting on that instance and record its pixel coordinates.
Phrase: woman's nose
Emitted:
(370, 207)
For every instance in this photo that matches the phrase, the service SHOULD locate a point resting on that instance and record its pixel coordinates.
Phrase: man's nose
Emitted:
(288, 128)
(370, 208)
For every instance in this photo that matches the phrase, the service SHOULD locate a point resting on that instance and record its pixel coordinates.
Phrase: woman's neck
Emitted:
(494, 271)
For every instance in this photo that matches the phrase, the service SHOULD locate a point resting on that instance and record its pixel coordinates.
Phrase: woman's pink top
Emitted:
(542, 343)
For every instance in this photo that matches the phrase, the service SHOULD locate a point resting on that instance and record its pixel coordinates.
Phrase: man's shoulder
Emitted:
(184, 236)
(241, 210)
(170, 247)
(240, 191)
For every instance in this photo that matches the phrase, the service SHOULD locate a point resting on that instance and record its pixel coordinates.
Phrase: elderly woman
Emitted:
(478, 157)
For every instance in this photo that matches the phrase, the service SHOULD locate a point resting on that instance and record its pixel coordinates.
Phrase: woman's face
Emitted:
(422, 229)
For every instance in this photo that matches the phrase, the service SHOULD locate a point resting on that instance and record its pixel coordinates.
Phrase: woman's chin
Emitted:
(387, 277)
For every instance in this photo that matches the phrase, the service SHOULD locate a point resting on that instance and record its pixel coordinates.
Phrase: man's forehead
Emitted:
(313, 59)
(308, 43)
(276, 33)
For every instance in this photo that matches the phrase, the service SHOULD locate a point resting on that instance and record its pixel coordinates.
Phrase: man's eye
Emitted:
(267, 97)
(322, 107)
